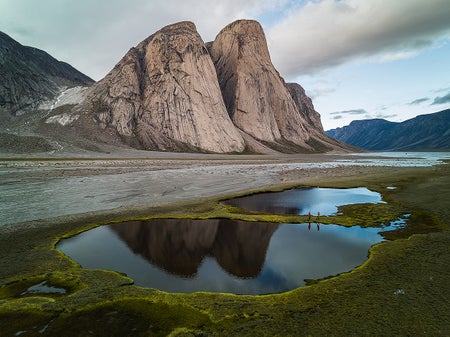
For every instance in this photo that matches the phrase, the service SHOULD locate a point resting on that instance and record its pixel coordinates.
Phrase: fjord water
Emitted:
(221, 255)
(305, 200)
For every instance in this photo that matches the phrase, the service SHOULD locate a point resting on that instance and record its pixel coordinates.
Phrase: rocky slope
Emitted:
(422, 133)
(29, 77)
(165, 92)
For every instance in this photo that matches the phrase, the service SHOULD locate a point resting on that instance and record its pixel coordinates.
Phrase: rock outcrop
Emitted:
(30, 77)
(256, 96)
(165, 92)
(305, 106)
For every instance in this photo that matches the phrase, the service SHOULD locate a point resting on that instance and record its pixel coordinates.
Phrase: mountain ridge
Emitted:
(166, 94)
(421, 133)
(227, 90)
(30, 77)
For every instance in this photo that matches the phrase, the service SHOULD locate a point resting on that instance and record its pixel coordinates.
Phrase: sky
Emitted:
(356, 59)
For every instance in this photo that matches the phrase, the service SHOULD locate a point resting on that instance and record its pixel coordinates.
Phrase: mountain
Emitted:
(173, 92)
(257, 98)
(165, 93)
(422, 133)
(30, 77)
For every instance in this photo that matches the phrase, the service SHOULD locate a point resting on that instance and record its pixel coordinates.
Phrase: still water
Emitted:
(304, 200)
(218, 255)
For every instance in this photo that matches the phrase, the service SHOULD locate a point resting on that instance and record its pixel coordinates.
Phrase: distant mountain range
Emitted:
(423, 133)
(171, 92)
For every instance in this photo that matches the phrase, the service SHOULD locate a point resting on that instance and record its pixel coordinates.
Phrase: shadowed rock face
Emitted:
(255, 94)
(179, 246)
(29, 77)
(305, 106)
(165, 91)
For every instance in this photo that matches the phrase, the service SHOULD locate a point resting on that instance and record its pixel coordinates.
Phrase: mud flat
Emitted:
(401, 290)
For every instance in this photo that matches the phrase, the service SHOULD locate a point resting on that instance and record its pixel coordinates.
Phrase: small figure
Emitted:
(309, 216)
(318, 217)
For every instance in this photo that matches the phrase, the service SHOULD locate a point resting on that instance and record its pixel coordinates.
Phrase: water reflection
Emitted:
(304, 200)
(180, 246)
(222, 255)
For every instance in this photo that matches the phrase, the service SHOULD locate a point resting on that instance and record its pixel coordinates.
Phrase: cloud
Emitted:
(327, 33)
(94, 35)
(350, 112)
(441, 100)
(419, 101)
(380, 115)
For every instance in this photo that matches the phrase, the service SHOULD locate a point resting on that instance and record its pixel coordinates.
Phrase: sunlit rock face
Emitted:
(173, 92)
(179, 246)
(165, 92)
(255, 94)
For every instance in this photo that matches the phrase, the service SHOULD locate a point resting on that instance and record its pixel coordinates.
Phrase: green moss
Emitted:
(401, 290)
(127, 317)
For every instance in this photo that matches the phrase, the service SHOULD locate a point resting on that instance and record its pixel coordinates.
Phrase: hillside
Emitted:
(429, 132)
(30, 77)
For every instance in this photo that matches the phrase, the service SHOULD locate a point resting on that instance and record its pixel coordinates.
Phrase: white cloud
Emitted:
(93, 35)
(326, 33)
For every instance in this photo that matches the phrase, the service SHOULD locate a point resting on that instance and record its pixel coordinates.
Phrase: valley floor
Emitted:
(403, 289)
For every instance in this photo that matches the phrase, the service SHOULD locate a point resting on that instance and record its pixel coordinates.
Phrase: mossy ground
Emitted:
(403, 288)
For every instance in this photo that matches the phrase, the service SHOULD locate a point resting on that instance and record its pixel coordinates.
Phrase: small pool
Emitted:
(221, 255)
(304, 200)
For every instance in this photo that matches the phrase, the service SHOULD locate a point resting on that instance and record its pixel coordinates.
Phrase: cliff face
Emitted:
(256, 97)
(305, 106)
(165, 91)
(29, 77)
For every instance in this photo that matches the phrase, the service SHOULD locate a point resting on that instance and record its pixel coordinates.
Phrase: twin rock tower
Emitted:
(173, 92)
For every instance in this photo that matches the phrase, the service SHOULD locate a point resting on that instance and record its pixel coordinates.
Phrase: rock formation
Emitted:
(256, 96)
(29, 77)
(169, 93)
(305, 106)
(165, 91)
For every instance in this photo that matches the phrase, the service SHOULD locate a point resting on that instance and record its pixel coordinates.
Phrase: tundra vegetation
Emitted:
(402, 289)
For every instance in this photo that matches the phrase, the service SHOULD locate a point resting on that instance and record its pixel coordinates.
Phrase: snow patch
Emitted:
(63, 119)
(73, 95)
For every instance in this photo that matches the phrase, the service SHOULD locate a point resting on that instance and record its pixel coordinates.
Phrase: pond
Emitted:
(304, 200)
(219, 255)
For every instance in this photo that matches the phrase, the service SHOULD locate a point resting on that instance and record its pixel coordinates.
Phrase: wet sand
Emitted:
(41, 189)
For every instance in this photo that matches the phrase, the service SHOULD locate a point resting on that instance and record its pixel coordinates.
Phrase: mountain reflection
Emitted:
(180, 245)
